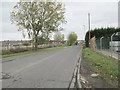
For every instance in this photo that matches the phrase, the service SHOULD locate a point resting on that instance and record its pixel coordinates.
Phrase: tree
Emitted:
(38, 18)
(99, 32)
(43, 39)
(72, 38)
(59, 37)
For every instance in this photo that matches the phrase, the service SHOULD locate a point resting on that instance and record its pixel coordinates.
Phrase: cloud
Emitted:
(102, 14)
(6, 9)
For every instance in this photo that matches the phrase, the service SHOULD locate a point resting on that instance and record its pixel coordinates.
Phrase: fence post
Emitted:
(112, 43)
(101, 43)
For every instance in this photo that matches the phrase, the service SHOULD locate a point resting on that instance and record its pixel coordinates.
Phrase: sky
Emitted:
(103, 13)
(119, 14)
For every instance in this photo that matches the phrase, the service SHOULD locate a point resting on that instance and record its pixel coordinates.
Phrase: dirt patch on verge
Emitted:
(91, 82)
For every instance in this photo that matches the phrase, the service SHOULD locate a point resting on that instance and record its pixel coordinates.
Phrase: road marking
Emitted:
(32, 64)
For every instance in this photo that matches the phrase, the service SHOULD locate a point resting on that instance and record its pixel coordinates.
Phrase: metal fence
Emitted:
(109, 45)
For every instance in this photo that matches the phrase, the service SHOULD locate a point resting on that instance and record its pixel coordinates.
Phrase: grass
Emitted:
(105, 66)
(16, 54)
(31, 51)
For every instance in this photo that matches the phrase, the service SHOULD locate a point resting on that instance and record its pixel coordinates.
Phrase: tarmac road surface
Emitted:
(45, 69)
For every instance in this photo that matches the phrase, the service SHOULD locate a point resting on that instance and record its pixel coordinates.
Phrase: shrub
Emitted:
(17, 50)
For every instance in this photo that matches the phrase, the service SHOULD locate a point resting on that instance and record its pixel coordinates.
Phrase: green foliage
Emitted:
(59, 37)
(17, 50)
(43, 40)
(106, 66)
(38, 18)
(72, 38)
(8, 53)
(25, 44)
(99, 32)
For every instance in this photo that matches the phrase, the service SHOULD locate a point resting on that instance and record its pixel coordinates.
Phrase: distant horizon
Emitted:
(30, 39)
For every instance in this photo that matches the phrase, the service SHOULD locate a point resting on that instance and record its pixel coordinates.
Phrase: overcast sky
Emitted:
(103, 14)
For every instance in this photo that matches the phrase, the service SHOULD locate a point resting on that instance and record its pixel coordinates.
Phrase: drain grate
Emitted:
(6, 76)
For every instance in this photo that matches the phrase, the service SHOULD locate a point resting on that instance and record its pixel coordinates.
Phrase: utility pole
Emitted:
(89, 26)
(84, 29)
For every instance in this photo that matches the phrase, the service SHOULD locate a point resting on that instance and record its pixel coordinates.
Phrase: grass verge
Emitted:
(31, 51)
(105, 66)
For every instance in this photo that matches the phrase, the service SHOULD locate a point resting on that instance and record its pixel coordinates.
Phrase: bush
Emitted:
(5, 52)
(84, 46)
(17, 50)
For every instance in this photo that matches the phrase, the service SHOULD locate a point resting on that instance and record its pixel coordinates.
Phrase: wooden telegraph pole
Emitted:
(89, 27)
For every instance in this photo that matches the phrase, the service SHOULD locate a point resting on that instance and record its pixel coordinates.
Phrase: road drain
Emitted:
(6, 75)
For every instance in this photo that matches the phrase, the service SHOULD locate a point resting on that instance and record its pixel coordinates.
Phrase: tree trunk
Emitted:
(36, 46)
(35, 43)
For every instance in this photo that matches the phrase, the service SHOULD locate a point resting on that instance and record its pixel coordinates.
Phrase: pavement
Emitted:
(46, 69)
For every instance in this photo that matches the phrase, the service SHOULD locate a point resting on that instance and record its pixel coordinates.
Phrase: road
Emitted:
(45, 69)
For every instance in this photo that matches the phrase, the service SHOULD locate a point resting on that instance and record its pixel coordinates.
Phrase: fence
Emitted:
(20, 47)
(109, 45)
